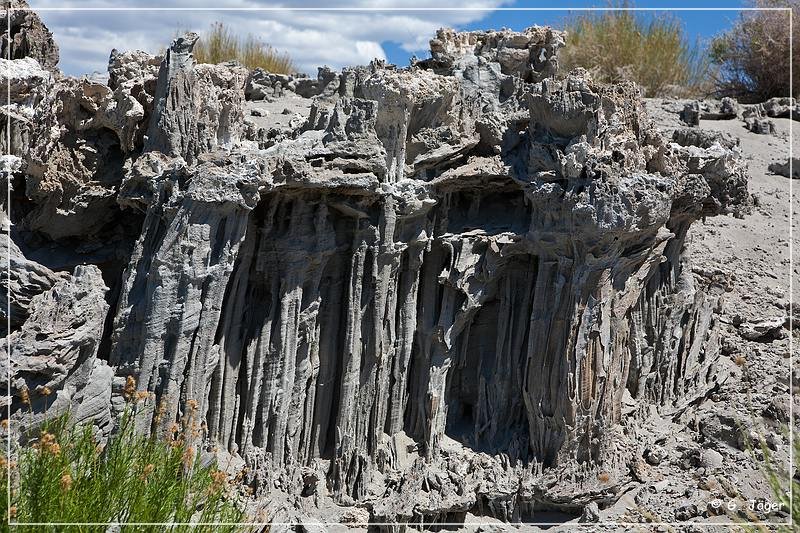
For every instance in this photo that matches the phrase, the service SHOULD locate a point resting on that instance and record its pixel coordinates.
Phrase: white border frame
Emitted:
(790, 523)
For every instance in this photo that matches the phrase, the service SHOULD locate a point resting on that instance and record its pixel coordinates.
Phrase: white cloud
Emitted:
(312, 38)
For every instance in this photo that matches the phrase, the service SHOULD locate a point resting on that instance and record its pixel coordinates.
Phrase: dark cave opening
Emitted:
(502, 210)
(485, 387)
(473, 360)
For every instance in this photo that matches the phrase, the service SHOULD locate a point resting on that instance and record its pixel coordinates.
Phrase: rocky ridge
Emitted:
(463, 288)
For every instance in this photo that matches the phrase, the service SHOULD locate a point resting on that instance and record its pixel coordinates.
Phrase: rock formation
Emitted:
(55, 351)
(28, 36)
(432, 290)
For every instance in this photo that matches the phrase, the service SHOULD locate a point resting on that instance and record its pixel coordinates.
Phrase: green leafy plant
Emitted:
(653, 51)
(66, 476)
(221, 44)
(753, 56)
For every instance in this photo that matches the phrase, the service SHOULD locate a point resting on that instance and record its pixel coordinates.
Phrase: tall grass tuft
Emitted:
(66, 477)
(653, 51)
(785, 487)
(221, 44)
(753, 56)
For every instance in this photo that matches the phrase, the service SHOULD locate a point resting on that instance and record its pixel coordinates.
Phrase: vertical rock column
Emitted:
(173, 126)
(174, 287)
(597, 228)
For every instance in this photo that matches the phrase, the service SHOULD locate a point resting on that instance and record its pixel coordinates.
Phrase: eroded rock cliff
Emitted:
(455, 287)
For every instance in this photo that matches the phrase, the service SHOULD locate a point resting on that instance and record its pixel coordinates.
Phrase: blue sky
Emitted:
(315, 38)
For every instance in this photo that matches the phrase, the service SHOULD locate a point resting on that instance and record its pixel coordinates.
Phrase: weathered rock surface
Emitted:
(724, 109)
(29, 36)
(760, 125)
(777, 108)
(463, 287)
(54, 354)
(530, 55)
(691, 114)
(787, 170)
(262, 85)
(763, 330)
(19, 284)
(196, 108)
(27, 82)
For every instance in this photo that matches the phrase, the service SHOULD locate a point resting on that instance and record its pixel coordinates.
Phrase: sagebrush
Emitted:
(753, 56)
(652, 50)
(220, 44)
(66, 476)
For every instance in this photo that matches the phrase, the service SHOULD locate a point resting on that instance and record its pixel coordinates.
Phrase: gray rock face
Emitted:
(27, 82)
(263, 85)
(530, 54)
(54, 353)
(755, 116)
(19, 284)
(760, 125)
(29, 36)
(691, 114)
(197, 108)
(725, 109)
(435, 292)
(776, 108)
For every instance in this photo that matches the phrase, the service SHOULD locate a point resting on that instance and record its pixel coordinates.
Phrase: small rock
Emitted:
(761, 126)
(640, 471)
(715, 507)
(779, 107)
(773, 441)
(711, 459)
(729, 488)
(653, 457)
(686, 512)
(730, 107)
(310, 480)
(727, 108)
(777, 409)
(748, 439)
(691, 114)
(764, 330)
(355, 515)
(590, 514)
(258, 112)
(306, 525)
(782, 169)
(708, 483)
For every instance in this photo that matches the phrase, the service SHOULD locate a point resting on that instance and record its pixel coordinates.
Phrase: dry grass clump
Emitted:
(653, 51)
(753, 57)
(220, 44)
(603, 477)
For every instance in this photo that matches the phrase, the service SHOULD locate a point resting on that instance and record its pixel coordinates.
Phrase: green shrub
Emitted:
(65, 476)
(753, 57)
(220, 44)
(653, 51)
